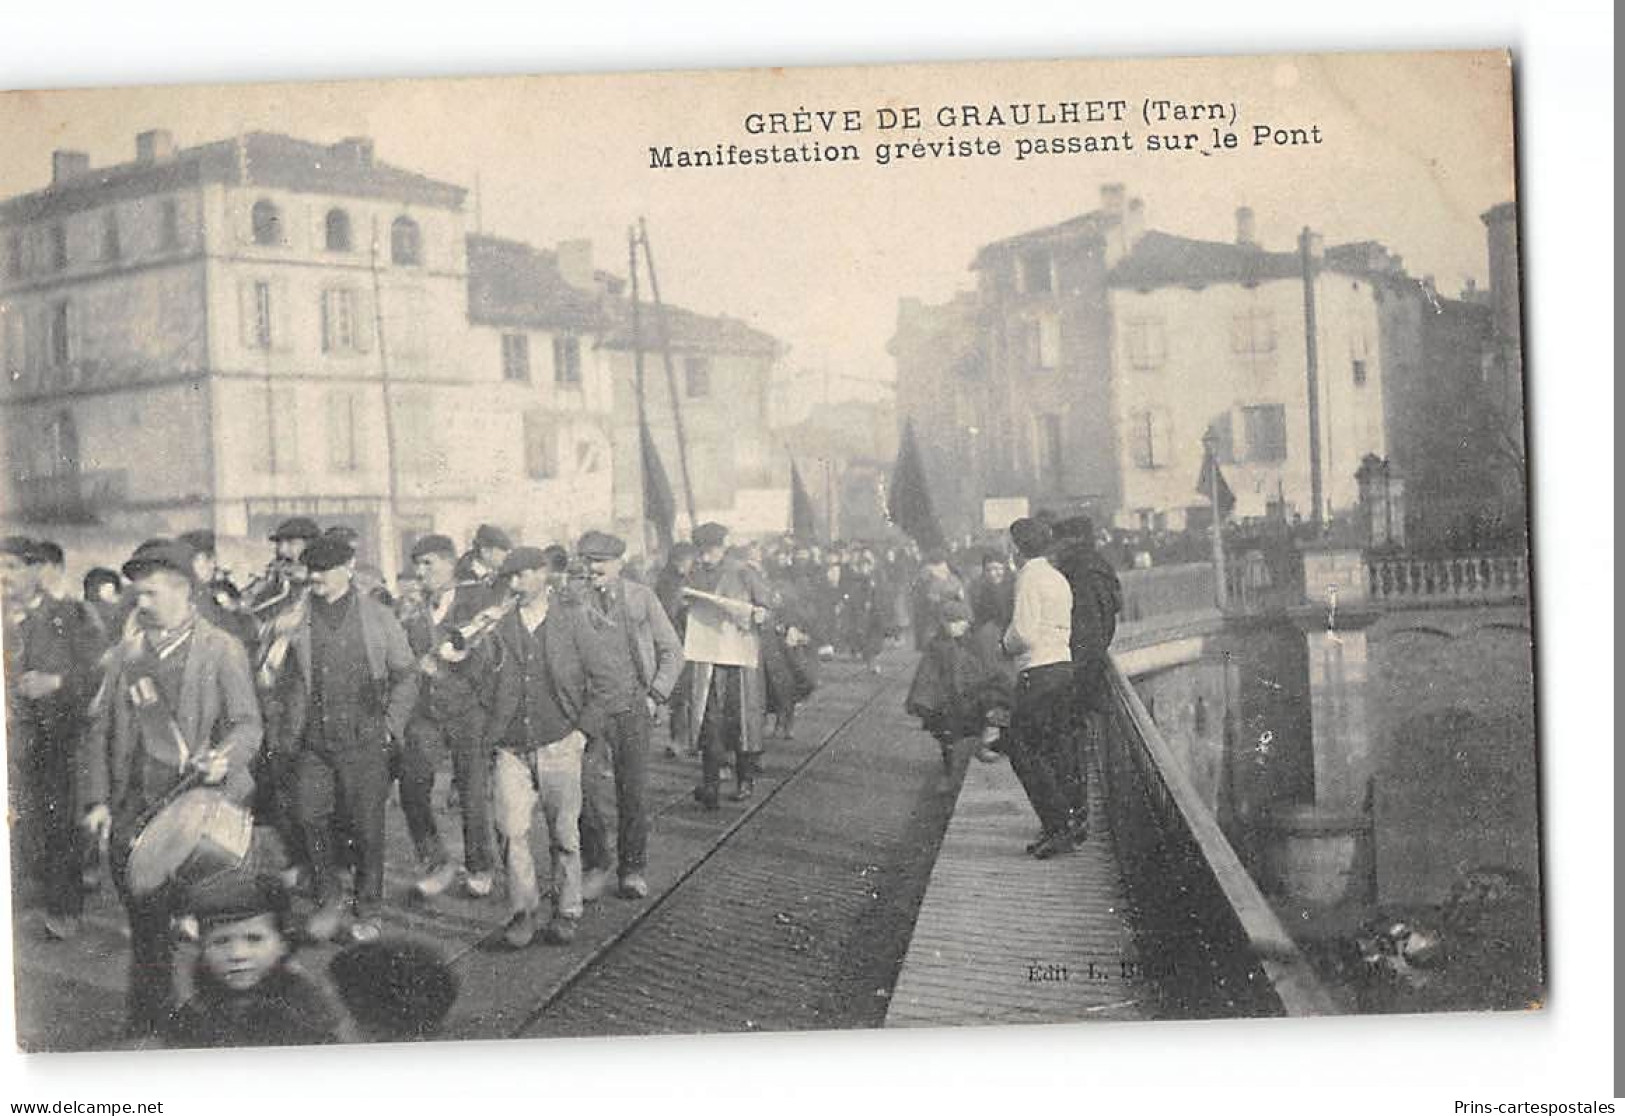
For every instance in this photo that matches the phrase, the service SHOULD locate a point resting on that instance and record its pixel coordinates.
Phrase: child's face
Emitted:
(241, 954)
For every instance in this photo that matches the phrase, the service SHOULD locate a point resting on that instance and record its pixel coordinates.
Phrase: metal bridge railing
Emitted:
(1208, 937)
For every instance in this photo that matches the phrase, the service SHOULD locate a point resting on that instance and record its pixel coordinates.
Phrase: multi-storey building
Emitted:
(721, 373)
(208, 336)
(1095, 358)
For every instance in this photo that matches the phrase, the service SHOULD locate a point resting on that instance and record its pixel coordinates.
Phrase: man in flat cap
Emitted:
(217, 599)
(50, 652)
(1097, 598)
(554, 688)
(728, 700)
(447, 719)
(485, 556)
(1041, 718)
(176, 701)
(278, 587)
(344, 694)
(647, 655)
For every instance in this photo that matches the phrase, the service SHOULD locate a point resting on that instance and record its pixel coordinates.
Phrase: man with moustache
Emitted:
(177, 699)
(344, 692)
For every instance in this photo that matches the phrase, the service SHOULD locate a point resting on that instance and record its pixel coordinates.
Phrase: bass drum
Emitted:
(195, 837)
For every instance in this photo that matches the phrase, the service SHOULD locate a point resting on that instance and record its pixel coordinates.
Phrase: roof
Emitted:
(1162, 259)
(1088, 225)
(688, 330)
(513, 284)
(256, 158)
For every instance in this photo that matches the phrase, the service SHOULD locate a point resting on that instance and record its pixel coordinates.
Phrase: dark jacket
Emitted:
(585, 683)
(390, 666)
(287, 1008)
(636, 624)
(56, 637)
(454, 689)
(959, 682)
(1097, 598)
(218, 708)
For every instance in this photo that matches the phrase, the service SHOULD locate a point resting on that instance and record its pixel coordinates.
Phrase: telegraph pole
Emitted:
(1308, 253)
(389, 541)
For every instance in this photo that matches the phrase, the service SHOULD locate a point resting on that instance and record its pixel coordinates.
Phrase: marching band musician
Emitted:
(649, 658)
(177, 698)
(336, 722)
(49, 651)
(447, 719)
(217, 599)
(482, 561)
(555, 685)
(274, 588)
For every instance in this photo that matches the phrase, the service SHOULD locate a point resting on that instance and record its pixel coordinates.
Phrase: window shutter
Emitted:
(281, 316)
(362, 319)
(247, 312)
(327, 321)
(285, 406)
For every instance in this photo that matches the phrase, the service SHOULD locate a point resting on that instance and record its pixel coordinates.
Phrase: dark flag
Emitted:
(659, 506)
(803, 521)
(1213, 479)
(908, 504)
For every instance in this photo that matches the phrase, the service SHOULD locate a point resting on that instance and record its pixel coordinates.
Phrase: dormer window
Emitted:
(338, 230)
(405, 242)
(267, 221)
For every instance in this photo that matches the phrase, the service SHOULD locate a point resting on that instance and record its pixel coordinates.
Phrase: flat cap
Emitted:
(487, 535)
(710, 534)
(327, 553)
(395, 987)
(159, 554)
(522, 558)
(1075, 527)
(341, 531)
(299, 527)
(201, 541)
(1032, 536)
(600, 544)
(235, 895)
(558, 559)
(434, 544)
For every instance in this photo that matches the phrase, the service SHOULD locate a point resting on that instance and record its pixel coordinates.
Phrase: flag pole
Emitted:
(1210, 450)
(637, 381)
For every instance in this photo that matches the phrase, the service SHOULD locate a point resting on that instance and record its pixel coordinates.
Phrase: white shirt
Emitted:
(1040, 632)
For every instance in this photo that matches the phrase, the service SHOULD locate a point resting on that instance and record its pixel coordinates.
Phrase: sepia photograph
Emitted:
(826, 548)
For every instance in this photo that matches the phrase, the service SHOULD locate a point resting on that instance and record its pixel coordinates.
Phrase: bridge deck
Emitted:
(1004, 938)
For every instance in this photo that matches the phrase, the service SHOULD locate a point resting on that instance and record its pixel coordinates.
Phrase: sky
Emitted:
(1414, 147)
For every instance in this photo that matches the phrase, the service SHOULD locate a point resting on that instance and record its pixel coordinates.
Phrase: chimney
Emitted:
(154, 145)
(1111, 199)
(356, 150)
(575, 263)
(1133, 223)
(1246, 228)
(68, 164)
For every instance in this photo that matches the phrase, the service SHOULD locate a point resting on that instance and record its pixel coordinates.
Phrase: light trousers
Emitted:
(549, 777)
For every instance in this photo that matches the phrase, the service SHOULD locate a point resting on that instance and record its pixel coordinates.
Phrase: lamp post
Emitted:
(1210, 450)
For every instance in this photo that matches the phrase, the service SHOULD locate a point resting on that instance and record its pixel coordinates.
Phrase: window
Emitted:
(259, 325)
(169, 224)
(338, 230)
(1252, 338)
(59, 247)
(1036, 277)
(277, 450)
(343, 444)
(567, 361)
(1359, 372)
(342, 328)
(110, 239)
(14, 256)
(697, 376)
(1266, 432)
(1050, 446)
(541, 447)
(1149, 438)
(515, 356)
(267, 221)
(1044, 340)
(1147, 341)
(16, 354)
(59, 347)
(405, 243)
(417, 444)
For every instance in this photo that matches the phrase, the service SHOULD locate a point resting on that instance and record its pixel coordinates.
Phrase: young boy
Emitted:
(248, 990)
(962, 686)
